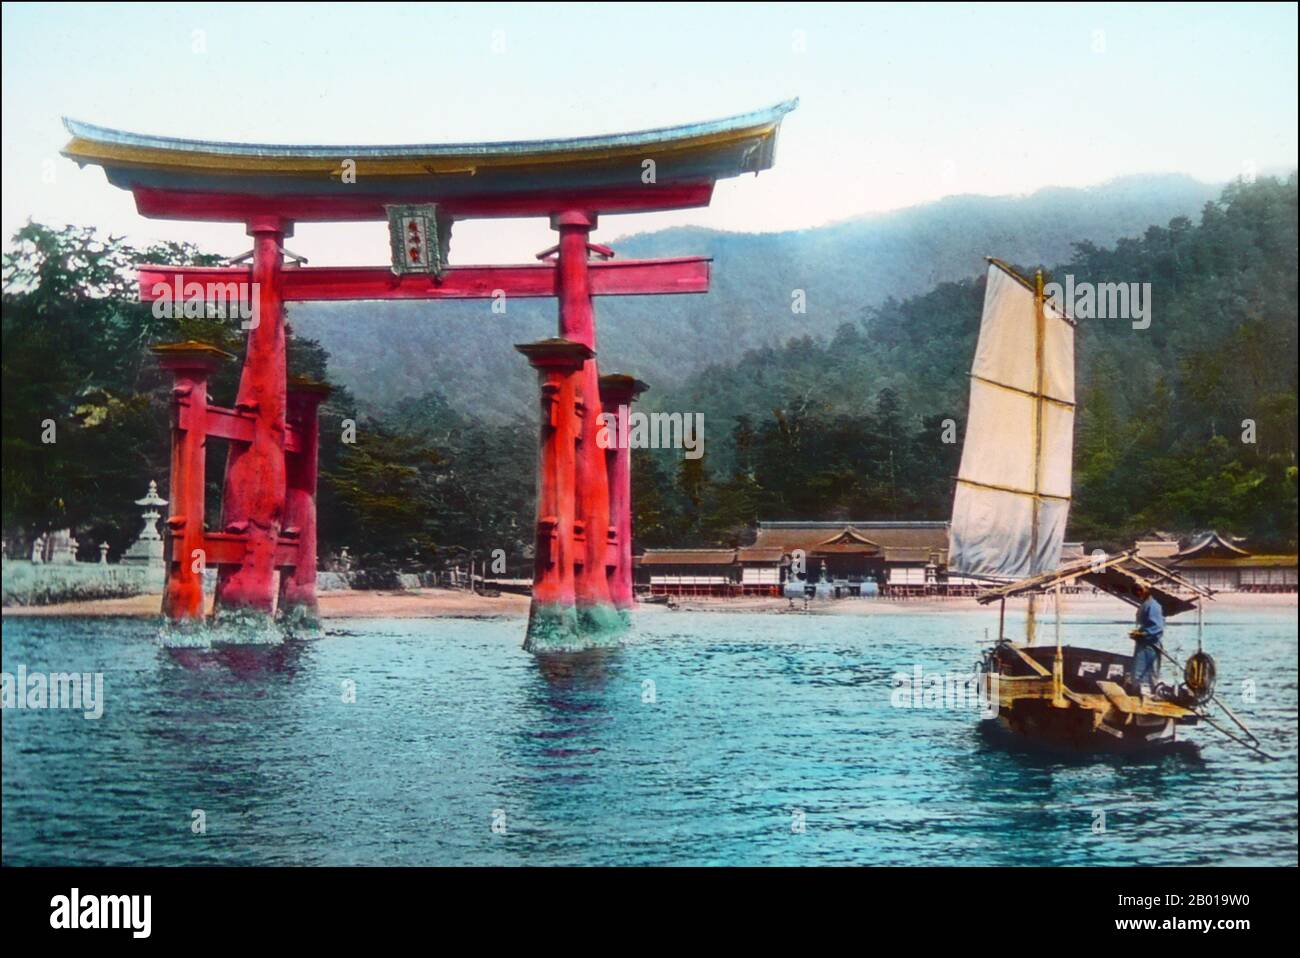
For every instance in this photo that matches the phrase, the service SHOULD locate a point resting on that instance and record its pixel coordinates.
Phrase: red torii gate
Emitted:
(582, 589)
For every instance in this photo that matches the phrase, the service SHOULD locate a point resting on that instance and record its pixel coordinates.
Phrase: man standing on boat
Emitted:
(1146, 637)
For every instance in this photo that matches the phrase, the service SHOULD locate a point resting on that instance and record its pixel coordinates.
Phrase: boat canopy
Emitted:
(1117, 575)
(695, 155)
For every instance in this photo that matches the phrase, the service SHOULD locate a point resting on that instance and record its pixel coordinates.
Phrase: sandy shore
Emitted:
(1082, 603)
(452, 603)
(412, 604)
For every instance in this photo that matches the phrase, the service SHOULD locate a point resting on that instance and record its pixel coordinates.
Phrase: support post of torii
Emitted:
(596, 613)
(253, 498)
(297, 607)
(191, 364)
(617, 393)
(552, 614)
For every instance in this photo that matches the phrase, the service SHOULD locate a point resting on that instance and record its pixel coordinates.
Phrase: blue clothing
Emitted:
(1150, 622)
(1146, 664)
(1146, 655)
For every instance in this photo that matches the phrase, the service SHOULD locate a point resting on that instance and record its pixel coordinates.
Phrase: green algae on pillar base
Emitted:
(553, 627)
(244, 626)
(184, 633)
(300, 621)
(225, 628)
(601, 624)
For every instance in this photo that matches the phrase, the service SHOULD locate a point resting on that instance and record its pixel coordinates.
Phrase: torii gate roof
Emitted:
(206, 179)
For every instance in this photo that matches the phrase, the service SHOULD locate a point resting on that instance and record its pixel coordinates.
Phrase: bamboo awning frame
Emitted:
(1092, 570)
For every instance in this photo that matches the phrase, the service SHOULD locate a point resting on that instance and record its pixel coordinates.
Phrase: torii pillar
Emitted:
(617, 392)
(191, 364)
(298, 605)
(254, 493)
(597, 616)
(552, 615)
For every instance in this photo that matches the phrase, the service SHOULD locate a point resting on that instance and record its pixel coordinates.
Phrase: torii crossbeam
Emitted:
(582, 588)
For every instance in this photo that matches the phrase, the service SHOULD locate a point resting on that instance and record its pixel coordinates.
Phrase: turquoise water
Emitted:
(754, 719)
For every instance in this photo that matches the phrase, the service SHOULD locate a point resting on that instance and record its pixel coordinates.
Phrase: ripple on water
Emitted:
(704, 739)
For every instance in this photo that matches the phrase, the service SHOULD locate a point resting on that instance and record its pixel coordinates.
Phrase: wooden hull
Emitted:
(1074, 729)
(1088, 712)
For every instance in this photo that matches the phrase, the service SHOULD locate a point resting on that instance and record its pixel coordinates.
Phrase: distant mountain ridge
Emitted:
(385, 352)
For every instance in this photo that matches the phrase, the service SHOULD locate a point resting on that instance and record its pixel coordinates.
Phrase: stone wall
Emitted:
(28, 583)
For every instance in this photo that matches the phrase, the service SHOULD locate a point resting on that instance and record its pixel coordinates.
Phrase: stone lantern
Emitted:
(148, 546)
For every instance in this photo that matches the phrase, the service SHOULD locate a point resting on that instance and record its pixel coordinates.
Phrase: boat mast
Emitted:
(1058, 662)
(1031, 624)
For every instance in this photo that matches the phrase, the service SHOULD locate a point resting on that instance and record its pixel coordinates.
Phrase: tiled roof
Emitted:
(759, 554)
(688, 557)
(809, 536)
(915, 554)
(1156, 548)
(1211, 546)
(1238, 562)
(903, 542)
(845, 549)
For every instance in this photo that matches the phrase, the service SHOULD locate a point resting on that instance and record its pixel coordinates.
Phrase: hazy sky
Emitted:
(899, 104)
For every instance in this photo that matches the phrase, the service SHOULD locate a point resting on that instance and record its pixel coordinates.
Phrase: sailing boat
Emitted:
(1009, 516)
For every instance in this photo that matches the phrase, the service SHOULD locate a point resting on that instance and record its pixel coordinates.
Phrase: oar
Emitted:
(1215, 699)
(1254, 748)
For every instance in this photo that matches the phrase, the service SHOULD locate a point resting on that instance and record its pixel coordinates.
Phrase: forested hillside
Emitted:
(390, 351)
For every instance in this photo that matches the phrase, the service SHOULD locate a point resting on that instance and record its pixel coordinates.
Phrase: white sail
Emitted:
(1013, 488)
